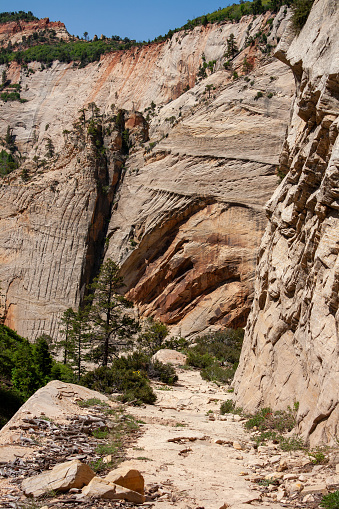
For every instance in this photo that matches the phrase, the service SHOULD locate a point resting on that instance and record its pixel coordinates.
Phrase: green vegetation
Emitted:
(228, 407)
(235, 12)
(24, 368)
(258, 96)
(10, 402)
(49, 49)
(113, 327)
(12, 96)
(133, 385)
(270, 426)
(266, 419)
(130, 376)
(273, 424)
(17, 16)
(217, 354)
(9, 160)
(330, 501)
(92, 402)
(301, 10)
(114, 440)
(318, 456)
(7, 163)
(153, 338)
(45, 47)
(232, 48)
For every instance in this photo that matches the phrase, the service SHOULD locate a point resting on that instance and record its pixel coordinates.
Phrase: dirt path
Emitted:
(179, 449)
(190, 456)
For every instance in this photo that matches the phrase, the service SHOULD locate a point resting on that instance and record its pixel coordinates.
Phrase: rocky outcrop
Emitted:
(14, 31)
(188, 245)
(291, 344)
(202, 181)
(55, 221)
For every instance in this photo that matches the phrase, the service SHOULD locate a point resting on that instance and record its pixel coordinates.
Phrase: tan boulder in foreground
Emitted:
(128, 478)
(102, 488)
(62, 477)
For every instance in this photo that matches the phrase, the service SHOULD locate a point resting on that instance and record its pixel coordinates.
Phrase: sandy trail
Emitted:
(195, 471)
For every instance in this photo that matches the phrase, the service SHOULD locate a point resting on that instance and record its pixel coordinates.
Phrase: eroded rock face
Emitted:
(204, 182)
(188, 244)
(291, 344)
(14, 31)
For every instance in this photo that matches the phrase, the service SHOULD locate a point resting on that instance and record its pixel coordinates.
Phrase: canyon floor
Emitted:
(180, 441)
(191, 457)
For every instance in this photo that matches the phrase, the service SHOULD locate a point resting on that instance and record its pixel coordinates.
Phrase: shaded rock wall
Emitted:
(291, 346)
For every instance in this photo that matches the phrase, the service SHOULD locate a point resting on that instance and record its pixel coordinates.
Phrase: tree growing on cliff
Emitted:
(111, 325)
(232, 48)
(49, 148)
(3, 78)
(301, 10)
(9, 140)
(208, 89)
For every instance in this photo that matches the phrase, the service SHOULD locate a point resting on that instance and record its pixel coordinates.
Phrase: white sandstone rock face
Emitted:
(188, 244)
(184, 220)
(290, 350)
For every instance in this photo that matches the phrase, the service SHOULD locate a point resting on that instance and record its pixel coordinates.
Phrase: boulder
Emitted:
(62, 477)
(316, 488)
(274, 475)
(127, 478)
(168, 356)
(102, 488)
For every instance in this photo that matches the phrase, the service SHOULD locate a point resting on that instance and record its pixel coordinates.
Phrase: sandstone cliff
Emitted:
(291, 348)
(14, 31)
(202, 181)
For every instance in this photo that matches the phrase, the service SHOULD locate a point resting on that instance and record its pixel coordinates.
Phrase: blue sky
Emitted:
(140, 20)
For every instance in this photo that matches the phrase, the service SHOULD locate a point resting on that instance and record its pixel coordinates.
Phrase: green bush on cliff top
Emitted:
(46, 49)
(17, 16)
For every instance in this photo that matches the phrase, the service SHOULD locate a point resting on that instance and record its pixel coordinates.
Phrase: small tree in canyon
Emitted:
(111, 325)
(153, 336)
(67, 331)
(97, 331)
(76, 332)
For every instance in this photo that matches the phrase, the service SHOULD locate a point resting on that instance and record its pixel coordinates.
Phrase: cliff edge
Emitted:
(291, 346)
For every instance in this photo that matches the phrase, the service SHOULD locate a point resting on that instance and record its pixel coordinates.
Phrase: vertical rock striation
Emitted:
(291, 346)
(183, 215)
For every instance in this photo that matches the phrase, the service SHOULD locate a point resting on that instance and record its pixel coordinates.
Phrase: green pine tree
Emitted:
(67, 343)
(153, 337)
(112, 327)
(232, 48)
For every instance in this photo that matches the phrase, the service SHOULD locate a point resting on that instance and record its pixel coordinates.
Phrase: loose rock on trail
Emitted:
(189, 455)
